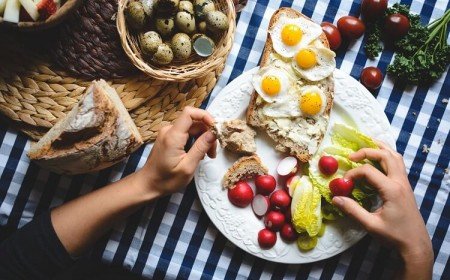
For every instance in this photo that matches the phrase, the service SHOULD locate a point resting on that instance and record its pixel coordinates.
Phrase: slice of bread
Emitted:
(236, 136)
(244, 168)
(255, 117)
(97, 133)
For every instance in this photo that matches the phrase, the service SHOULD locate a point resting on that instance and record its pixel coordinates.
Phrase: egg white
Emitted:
(311, 31)
(325, 66)
(286, 81)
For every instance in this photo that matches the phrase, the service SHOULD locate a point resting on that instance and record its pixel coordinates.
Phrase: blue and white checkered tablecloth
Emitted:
(174, 238)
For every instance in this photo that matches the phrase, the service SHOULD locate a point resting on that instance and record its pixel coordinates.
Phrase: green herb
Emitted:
(423, 54)
(373, 46)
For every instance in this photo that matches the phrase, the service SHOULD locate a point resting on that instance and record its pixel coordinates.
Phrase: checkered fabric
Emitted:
(174, 238)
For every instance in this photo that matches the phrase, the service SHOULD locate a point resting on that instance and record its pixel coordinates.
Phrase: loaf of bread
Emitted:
(244, 168)
(256, 118)
(97, 133)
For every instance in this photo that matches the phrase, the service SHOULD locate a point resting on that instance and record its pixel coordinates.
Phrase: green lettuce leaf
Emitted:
(348, 137)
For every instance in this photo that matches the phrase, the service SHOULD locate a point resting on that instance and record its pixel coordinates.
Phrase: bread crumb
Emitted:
(425, 149)
(414, 113)
(445, 100)
(439, 120)
(446, 170)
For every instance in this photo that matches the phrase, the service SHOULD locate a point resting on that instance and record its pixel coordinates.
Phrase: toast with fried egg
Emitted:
(279, 129)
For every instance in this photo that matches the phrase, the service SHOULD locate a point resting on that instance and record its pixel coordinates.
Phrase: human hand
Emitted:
(398, 220)
(169, 167)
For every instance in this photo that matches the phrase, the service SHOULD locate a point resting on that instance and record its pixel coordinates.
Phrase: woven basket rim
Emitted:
(184, 72)
(61, 14)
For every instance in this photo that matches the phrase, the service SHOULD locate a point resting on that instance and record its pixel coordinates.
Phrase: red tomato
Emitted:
(373, 9)
(333, 35)
(371, 78)
(396, 26)
(351, 27)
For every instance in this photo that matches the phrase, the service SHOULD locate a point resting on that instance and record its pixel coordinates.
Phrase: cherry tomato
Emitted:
(373, 9)
(371, 78)
(396, 26)
(333, 35)
(351, 27)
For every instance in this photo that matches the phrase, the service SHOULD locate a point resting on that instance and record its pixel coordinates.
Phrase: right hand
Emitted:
(398, 220)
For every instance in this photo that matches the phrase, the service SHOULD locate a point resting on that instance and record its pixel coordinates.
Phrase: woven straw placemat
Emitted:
(35, 94)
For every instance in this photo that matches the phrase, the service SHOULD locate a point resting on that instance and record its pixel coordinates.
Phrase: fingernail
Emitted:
(338, 201)
(209, 137)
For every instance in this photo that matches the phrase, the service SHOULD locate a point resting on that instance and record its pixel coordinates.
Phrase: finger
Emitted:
(385, 158)
(197, 128)
(354, 210)
(212, 152)
(199, 149)
(384, 146)
(189, 115)
(372, 175)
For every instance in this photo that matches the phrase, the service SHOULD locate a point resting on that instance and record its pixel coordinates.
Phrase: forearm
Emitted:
(81, 222)
(418, 265)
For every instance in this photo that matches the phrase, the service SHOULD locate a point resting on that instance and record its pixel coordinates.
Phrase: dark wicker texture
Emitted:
(89, 45)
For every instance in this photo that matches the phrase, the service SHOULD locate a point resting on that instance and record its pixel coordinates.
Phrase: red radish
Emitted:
(274, 220)
(288, 215)
(265, 184)
(341, 187)
(328, 165)
(260, 205)
(46, 8)
(241, 194)
(287, 166)
(291, 183)
(266, 238)
(288, 232)
(280, 199)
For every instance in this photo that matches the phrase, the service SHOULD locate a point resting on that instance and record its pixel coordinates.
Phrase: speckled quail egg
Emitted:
(216, 21)
(149, 42)
(135, 15)
(163, 54)
(149, 6)
(202, 26)
(186, 6)
(202, 7)
(165, 26)
(168, 7)
(203, 45)
(185, 22)
(181, 46)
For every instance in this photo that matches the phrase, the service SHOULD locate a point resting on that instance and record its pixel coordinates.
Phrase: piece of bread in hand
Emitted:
(236, 136)
(244, 168)
(97, 133)
(255, 117)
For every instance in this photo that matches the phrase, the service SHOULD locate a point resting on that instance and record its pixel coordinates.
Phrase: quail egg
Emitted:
(165, 26)
(202, 7)
(163, 54)
(186, 6)
(149, 42)
(168, 7)
(202, 26)
(203, 45)
(148, 6)
(185, 22)
(135, 15)
(216, 21)
(181, 46)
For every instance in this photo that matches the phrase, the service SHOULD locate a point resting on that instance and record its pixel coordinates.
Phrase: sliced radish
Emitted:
(260, 205)
(291, 184)
(287, 166)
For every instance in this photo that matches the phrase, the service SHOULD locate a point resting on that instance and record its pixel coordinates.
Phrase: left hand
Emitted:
(169, 167)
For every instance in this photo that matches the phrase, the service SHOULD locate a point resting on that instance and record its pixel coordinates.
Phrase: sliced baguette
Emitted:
(244, 168)
(97, 133)
(254, 116)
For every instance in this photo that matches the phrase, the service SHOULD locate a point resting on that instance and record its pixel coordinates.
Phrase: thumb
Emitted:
(353, 209)
(201, 146)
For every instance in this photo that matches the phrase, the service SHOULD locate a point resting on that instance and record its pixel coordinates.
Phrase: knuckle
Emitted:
(366, 168)
(185, 170)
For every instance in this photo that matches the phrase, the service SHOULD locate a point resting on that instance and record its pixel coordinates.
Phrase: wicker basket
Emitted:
(196, 66)
(62, 13)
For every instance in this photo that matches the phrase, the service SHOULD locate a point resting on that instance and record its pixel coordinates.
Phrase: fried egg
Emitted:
(290, 34)
(272, 83)
(312, 101)
(314, 63)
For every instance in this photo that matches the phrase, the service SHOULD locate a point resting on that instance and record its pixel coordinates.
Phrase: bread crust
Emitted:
(284, 144)
(244, 168)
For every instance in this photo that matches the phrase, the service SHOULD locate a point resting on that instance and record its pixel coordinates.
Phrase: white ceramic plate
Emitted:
(353, 105)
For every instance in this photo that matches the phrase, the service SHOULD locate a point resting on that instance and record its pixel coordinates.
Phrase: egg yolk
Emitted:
(271, 85)
(310, 103)
(306, 59)
(291, 34)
